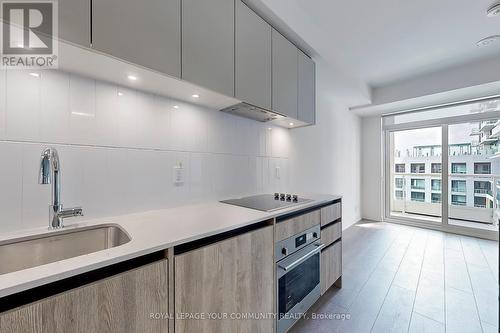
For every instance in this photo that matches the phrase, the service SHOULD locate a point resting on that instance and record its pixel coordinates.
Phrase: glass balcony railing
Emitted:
(483, 191)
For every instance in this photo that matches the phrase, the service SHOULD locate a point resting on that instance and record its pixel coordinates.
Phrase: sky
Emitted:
(459, 133)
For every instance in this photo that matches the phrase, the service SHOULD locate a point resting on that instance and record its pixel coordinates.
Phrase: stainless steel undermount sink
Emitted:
(27, 252)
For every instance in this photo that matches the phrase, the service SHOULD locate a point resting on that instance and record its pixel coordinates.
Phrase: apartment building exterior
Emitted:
(474, 183)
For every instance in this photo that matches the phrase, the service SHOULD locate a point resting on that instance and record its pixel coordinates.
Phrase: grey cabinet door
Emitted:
(306, 89)
(252, 57)
(208, 44)
(147, 33)
(74, 21)
(284, 76)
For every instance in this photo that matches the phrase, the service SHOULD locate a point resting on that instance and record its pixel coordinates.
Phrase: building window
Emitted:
(480, 202)
(418, 196)
(458, 186)
(459, 168)
(400, 182)
(418, 168)
(400, 168)
(458, 200)
(482, 168)
(418, 184)
(436, 197)
(399, 195)
(482, 187)
(436, 168)
(436, 184)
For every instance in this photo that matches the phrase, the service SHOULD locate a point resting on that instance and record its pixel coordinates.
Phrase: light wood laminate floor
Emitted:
(405, 279)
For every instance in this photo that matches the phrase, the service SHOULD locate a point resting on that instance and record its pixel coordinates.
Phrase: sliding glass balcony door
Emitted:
(444, 172)
(415, 170)
(474, 165)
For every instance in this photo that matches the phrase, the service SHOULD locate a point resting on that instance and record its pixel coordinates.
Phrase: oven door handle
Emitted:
(304, 257)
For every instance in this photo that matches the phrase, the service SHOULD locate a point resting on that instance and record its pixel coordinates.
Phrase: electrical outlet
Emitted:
(277, 172)
(178, 174)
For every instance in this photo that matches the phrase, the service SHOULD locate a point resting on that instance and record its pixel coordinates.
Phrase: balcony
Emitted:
(483, 191)
(487, 125)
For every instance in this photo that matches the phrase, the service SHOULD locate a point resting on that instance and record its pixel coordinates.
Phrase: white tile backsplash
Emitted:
(118, 148)
(22, 111)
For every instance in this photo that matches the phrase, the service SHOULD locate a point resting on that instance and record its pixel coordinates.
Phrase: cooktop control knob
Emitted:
(295, 198)
(284, 251)
(282, 196)
(276, 196)
(315, 235)
(288, 197)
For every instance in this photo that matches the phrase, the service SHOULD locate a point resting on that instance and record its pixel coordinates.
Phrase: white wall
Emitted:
(326, 158)
(372, 169)
(118, 152)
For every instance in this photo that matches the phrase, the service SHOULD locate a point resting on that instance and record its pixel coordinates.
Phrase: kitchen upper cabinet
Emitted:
(146, 33)
(122, 303)
(232, 276)
(252, 57)
(208, 44)
(285, 76)
(74, 21)
(306, 89)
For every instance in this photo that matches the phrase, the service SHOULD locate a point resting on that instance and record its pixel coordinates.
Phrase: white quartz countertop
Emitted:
(149, 232)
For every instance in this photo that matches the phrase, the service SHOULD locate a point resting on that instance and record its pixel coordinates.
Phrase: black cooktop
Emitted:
(267, 202)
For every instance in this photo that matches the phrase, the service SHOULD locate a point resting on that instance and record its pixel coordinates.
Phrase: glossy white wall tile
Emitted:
(11, 186)
(119, 148)
(22, 105)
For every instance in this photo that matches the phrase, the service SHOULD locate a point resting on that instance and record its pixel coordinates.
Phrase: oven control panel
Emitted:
(290, 245)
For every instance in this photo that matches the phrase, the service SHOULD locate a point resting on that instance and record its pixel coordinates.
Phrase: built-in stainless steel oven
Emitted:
(298, 276)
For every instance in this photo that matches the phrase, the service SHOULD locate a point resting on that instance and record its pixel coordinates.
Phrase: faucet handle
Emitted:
(71, 212)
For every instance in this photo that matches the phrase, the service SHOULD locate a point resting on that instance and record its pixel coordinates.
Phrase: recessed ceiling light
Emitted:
(269, 128)
(132, 78)
(120, 93)
(291, 124)
(493, 10)
(195, 96)
(176, 106)
(35, 74)
(488, 40)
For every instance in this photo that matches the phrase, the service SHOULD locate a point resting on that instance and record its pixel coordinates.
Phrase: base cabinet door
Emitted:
(331, 265)
(122, 303)
(228, 278)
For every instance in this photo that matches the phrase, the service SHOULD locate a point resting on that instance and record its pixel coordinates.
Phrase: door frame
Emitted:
(386, 178)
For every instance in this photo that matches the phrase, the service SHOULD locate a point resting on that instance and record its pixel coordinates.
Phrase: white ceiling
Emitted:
(379, 42)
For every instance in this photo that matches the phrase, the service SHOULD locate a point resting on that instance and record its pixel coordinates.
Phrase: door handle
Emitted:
(304, 257)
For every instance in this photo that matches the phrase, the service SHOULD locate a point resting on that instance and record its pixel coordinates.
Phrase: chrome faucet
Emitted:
(50, 173)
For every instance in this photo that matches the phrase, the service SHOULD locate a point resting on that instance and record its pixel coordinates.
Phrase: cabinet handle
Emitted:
(304, 257)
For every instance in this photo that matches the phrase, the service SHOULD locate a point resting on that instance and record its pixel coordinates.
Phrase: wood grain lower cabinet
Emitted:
(122, 303)
(331, 233)
(234, 276)
(331, 213)
(297, 224)
(331, 265)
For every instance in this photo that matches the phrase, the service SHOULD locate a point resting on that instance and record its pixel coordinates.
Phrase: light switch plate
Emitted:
(178, 174)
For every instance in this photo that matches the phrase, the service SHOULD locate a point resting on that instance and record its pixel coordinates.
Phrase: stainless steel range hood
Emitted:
(253, 112)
